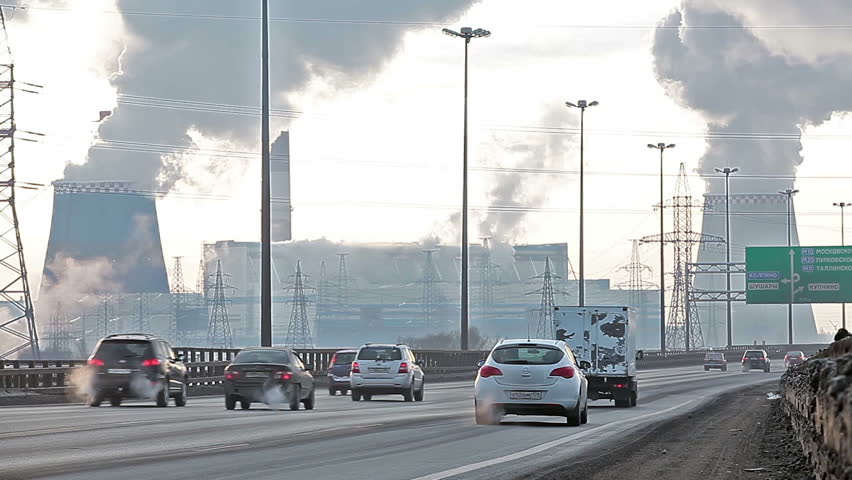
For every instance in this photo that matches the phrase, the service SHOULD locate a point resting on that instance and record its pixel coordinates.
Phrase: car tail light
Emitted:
(150, 362)
(331, 363)
(286, 375)
(564, 372)
(232, 375)
(620, 385)
(356, 368)
(96, 362)
(489, 371)
(403, 367)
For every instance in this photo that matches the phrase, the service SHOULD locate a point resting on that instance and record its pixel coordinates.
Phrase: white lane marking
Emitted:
(540, 448)
(219, 447)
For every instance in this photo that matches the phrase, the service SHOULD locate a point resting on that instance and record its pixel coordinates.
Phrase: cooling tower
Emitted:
(756, 220)
(279, 184)
(104, 238)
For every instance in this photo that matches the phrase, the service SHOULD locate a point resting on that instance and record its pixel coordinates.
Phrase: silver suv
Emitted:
(386, 369)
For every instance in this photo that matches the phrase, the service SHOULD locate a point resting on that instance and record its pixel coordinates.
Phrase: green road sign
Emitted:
(798, 275)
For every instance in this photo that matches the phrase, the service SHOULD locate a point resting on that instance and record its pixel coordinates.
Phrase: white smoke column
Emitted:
(82, 382)
(143, 387)
(273, 397)
(745, 84)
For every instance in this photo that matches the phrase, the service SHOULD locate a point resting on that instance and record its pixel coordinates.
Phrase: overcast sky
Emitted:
(372, 99)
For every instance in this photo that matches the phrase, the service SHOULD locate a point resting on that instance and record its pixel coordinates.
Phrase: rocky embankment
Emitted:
(817, 396)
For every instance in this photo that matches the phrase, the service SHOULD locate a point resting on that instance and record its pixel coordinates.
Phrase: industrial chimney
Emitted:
(279, 171)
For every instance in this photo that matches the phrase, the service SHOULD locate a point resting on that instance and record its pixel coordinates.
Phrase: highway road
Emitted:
(341, 439)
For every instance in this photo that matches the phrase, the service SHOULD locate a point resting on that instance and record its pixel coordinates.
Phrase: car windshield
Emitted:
(262, 356)
(754, 354)
(714, 356)
(380, 353)
(344, 358)
(121, 349)
(795, 353)
(527, 355)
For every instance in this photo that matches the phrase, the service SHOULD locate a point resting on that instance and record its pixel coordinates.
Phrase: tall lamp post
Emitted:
(265, 234)
(728, 171)
(466, 33)
(582, 105)
(789, 194)
(843, 206)
(662, 147)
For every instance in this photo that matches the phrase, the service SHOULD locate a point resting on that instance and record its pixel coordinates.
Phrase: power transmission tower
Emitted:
(342, 280)
(545, 328)
(141, 314)
(681, 334)
(18, 330)
(636, 284)
(431, 292)
(299, 331)
(323, 291)
(219, 326)
(176, 321)
(486, 278)
(59, 339)
(201, 283)
(104, 313)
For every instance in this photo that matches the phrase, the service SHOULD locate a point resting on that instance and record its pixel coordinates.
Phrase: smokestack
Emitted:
(279, 171)
(104, 238)
(756, 220)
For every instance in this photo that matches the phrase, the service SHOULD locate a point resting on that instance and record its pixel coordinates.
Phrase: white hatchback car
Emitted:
(531, 377)
(386, 369)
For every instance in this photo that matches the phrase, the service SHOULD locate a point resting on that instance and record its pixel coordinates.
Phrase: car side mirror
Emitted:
(181, 357)
(480, 364)
(640, 354)
(309, 367)
(584, 365)
(419, 363)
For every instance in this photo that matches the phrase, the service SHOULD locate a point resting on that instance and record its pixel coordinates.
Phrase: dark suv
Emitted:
(715, 360)
(136, 365)
(758, 359)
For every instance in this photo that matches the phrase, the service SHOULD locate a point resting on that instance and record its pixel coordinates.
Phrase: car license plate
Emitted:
(120, 371)
(525, 395)
(257, 374)
(380, 370)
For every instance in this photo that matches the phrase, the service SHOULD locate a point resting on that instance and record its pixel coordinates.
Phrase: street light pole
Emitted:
(843, 206)
(466, 33)
(789, 194)
(728, 171)
(662, 148)
(582, 105)
(265, 236)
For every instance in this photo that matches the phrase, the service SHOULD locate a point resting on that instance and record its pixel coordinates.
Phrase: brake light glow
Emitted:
(356, 368)
(286, 375)
(96, 362)
(232, 375)
(620, 385)
(489, 371)
(403, 367)
(331, 363)
(564, 372)
(150, 362)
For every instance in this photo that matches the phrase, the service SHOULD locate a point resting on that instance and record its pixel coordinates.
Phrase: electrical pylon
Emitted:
(18, 330)
(104, 313)
(323, 291)
(636, 271)
(201, 283)
(178, 296)
(431, 292)
(683, 238)
(299, 330)
(342, 280)
(59, 337)
(486, 278)
(140, 320)
(545, 327)
(219, 326)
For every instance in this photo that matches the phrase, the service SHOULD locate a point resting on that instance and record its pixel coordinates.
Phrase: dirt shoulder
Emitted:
(724, 439)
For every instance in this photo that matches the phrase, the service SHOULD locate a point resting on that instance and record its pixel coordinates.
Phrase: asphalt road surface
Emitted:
(381, 439)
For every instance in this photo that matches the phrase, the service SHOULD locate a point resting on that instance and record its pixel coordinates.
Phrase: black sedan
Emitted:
(268, 375)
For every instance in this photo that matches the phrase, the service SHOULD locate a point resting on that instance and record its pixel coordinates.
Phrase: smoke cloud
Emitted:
(216, 60)
(743, 83)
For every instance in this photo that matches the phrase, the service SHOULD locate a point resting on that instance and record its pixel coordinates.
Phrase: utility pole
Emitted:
(265, 232)
(789, 194)
(466, 33)
(729, 323)
(843, 206)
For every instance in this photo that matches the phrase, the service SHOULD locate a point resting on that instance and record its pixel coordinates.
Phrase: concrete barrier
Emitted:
(817, 396)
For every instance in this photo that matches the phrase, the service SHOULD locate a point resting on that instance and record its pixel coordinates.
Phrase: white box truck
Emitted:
(603, 339)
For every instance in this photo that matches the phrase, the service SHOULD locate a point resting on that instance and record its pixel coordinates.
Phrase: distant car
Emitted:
(715, 360)
(268, 375)
(386, 369)
(794, 357)
(136, 365)
(531, 377)
(338, 371)
(758, 359)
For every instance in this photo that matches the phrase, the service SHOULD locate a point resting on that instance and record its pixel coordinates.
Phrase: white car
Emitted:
(386, 369)
(531, 377)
